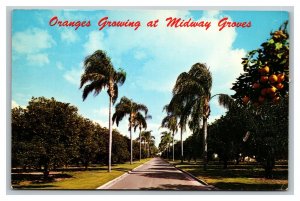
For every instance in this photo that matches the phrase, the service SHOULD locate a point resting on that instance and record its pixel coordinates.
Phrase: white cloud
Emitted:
(32, 43)
(73, 75)
(32, 40)
(95, 42)
(212, 13)
(102, 123)
(69, 36)
(14, 104)
(170, 51)
(102, 112)
(38, 59)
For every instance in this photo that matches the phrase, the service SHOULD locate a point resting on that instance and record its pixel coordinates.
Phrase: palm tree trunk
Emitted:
(173, 146)
(168, 151)
(204, 143)
(140, 145)
(110, 135)
(181, 133)
(148, 148)
(130, 145)
(145, 147)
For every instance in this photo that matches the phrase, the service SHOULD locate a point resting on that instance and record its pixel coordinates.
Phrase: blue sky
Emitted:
(47, 60)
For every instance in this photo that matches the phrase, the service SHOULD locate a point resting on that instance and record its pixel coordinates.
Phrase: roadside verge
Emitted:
(112, 182)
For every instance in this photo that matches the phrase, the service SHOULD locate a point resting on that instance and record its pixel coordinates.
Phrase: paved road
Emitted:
(156, 174)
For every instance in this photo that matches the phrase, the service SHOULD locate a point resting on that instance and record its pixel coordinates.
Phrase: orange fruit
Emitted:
(264, 79)
(273, 79)
(280, 78)
(266, 69)
(271, 90)
(279, 86)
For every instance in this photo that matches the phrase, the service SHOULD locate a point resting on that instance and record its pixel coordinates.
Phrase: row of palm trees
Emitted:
(146, 138)
(166, 140)
(99, 74)
(190, 102)
(190, 105)
(136, 118)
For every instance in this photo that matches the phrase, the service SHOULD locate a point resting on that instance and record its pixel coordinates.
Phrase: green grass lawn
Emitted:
(72, 179)
(245, 176)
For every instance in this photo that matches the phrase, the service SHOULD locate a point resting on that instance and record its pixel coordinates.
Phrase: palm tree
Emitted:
(177, 109)
(140, 122)
(128, 107)
(170, 122)
(193, 94)
(148, 137)
(99, 74)
(165, 141)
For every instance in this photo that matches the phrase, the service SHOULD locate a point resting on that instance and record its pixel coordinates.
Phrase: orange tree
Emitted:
(264, 91)
(266, 71)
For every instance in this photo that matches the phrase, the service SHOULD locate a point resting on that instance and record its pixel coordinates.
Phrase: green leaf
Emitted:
(279, 55)
(278, 46)
(271, 41)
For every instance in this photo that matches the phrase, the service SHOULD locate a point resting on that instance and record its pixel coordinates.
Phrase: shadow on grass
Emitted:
(235, 186)
(36, 178)
(29, 187)
(234, 173)
(235, 177)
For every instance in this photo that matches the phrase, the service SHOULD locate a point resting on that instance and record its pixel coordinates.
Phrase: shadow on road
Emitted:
(165, 175)
(178, 187)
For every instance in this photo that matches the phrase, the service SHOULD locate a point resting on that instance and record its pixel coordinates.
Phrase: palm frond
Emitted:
(90, 78)
(95, 86)
(120, 76)
(226, 101)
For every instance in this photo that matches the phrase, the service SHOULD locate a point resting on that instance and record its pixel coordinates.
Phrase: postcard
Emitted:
(149, 99)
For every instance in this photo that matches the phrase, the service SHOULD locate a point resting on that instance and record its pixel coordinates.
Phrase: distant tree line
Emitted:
(49, 134)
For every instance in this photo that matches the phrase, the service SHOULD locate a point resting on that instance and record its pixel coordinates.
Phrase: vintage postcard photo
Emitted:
(140, 99)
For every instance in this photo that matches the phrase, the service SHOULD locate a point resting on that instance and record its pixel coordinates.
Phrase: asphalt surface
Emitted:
(155, 174)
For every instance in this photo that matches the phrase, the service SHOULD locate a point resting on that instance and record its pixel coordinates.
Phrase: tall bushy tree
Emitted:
(43, 134)
(87, 144)
(99, 74)
(264, 88)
